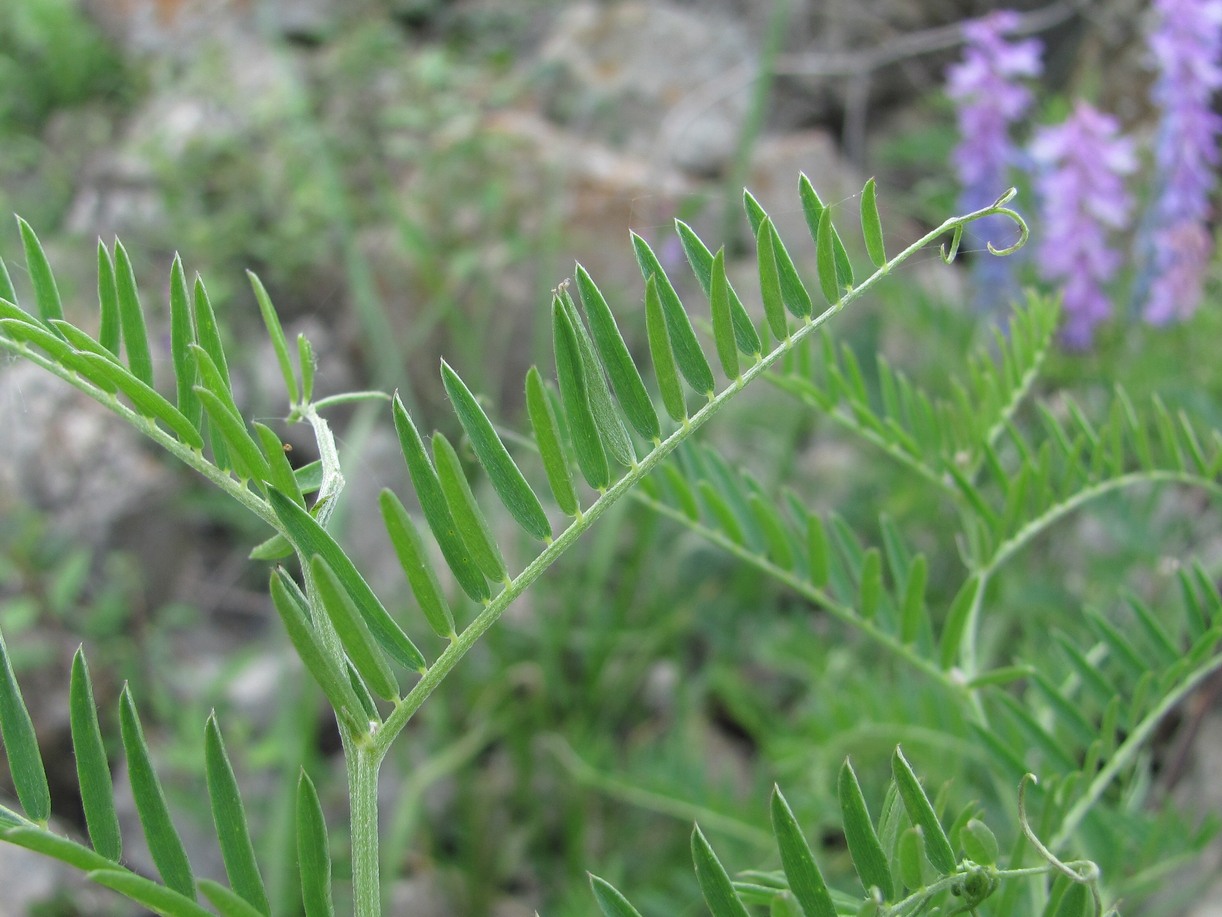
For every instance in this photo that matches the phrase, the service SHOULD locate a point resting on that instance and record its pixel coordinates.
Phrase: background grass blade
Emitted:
(688, 355)
(131, 318)
(663, 356)
(625, 377)
(92, 766)
(472, 525)
(551, 448)
(412, 557)
(21, 745)
(311, 538)
(715, 884)
(805, 880)
(229, 816)
(503, 472)
(591, 457)
(46, 293)
(937, 844)
(867, 853)
(313, 855)
(434, 506)
(610, 901)
(163, 841)
(353, 633)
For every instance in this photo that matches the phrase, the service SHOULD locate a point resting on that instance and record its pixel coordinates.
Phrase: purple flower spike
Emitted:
(989, 97)
(1082, 164)
(1186, 44)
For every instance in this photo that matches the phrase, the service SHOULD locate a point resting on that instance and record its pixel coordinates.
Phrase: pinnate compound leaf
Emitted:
(412, 557)
(92, 767)
(157, 898)
(310, 539)
(46, 293)
(610, 901)
(353, 633)
(318, 662)
(723, 323)
(21, 745)
(663, 355)
(108, 301)
(436, 509)
(163, 841)
(864, 847)
(472, 526)
(805, 880)
(701, 260)
(687, 353)
(587, 444)
(227, 902)
(182, 335)
(131, 318)
(625, 377)
(276, 332)
(551, 449)
(872, 225)
(313, 855)
(503, 473)
(229, 816)
(715, 884)
(919, 809)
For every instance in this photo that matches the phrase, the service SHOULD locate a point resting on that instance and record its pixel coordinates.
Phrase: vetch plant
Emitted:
(599, 437)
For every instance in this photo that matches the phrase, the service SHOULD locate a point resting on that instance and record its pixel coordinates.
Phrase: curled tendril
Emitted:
(1085, 872)
(998, 208)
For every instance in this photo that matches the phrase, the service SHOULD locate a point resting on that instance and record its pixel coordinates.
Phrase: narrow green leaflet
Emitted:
(625, 377)
(551, 449)
(436, 509)
(182, 335)
(412, 557)
(813, 209)
(313, 856)
(238, 440)
(279, 472)
(21, 745)
(318, 662)
(208, 336)
(723, 324)
(912, 614)
(770, 283)
(472, 526)
(276, 332)
(937, 844)
(979, 843)
(805, 880)
(6, 284)
(606, 418)
(663, 356)
(687, 353)
(871, 588)
(817, 555)
(21, 329)
(1075, 902)
(46, 293)
(92, 766)
(910, 855)
(715, 884)
(610, 901)
(144, 399)
(108, 301)
(793, 291)
(308, 363)
(310, 539)
(587, 444)
(227, 902)
(58, 848)
(956, 621)
(868, 857)
(825, 260)
(503, 473)
(353, 633)
(157, 898)
(80, 340)
(163, 840)
(701, 260)
(229, 816)
(131, 318)
(10, 310)
(872, 225)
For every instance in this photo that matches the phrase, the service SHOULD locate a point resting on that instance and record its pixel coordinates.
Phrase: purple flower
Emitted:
(1186, 45)
(1081, 167)
(989, 99)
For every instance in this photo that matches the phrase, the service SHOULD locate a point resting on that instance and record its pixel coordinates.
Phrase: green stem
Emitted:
(363, 761)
